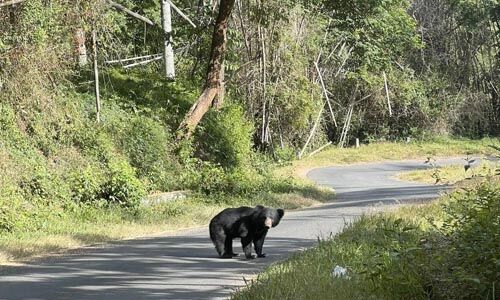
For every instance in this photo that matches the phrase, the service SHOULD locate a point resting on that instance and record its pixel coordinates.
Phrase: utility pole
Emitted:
(168, 54)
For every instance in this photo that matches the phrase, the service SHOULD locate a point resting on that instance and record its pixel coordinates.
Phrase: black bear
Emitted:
(250, 224)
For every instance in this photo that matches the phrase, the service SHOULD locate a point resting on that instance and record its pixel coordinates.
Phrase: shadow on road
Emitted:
(141, 269)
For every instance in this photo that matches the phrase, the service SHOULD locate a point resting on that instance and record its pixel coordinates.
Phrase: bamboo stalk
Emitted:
(96, 78)
(387, 94)
(326, 94)
(311, 133)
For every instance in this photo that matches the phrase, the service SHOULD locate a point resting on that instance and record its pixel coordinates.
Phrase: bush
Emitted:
(470, 245)
(86, 184)
(10, 212)
(225, 138)
(148, 146)
(122, 186)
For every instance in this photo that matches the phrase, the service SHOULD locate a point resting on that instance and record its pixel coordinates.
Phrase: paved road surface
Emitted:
(185, 266)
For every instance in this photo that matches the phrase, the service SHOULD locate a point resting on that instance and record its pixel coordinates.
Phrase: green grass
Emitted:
(444, 250)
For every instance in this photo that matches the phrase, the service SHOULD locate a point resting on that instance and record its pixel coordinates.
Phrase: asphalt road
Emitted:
(185, 266)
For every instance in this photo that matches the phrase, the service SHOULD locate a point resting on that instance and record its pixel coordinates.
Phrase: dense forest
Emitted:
(295, 76)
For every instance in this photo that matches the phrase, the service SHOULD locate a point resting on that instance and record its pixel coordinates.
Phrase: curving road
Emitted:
(185, 266)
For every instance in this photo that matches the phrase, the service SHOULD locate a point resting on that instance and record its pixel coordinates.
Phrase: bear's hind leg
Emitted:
(218, 237)
(228, 248)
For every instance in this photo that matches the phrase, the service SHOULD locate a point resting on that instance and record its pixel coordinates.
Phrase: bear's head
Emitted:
(268, 217)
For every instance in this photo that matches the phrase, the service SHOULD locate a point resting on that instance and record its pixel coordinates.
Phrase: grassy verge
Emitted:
(448, 174)
(439, 147)
(444, 250)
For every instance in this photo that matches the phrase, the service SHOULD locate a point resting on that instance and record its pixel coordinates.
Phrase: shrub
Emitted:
(86, 184)
(225, 138)
(122, 186)
(10, 212)
(469, 247)
(148, 146)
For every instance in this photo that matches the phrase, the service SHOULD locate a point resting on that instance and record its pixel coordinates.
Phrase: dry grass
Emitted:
(388, 151)
(448, 174)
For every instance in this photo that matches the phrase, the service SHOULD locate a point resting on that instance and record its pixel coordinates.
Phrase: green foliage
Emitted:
(149, 148)
(380, 31)
(122, 186)
(225, 138)
(469, 245)
(86, 184)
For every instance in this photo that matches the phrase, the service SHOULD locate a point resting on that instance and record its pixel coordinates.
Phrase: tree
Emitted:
(215, 75)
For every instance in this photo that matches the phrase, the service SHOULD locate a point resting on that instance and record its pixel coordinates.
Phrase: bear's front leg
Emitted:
(258, 242)
(246, 243)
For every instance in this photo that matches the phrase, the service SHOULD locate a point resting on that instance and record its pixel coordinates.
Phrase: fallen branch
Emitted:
(319, 149)
(142, 62)
(128, 11)
(132, 58)
(12, 2)
(180, 13)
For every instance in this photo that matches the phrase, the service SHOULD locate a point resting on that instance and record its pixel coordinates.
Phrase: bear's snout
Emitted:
(268, 223)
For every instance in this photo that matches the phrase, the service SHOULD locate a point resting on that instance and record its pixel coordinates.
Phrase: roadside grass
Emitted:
(444, 250)
(448, 174)
(380, 151)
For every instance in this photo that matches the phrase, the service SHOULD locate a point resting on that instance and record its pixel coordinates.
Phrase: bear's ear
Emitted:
(281, 213)
(259, 207)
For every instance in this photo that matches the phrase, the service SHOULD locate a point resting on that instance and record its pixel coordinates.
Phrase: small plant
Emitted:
(436, 174)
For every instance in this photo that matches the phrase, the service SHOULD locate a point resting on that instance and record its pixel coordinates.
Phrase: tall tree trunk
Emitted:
(214, 79)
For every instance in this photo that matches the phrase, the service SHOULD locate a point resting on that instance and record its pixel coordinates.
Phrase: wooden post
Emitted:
(96, 78)
(168, 55)
(357, 142)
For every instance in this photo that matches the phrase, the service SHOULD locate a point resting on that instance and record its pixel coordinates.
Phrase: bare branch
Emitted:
(128, 11)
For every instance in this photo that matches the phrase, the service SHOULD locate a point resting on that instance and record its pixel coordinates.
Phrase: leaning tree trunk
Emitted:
(213, 83)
